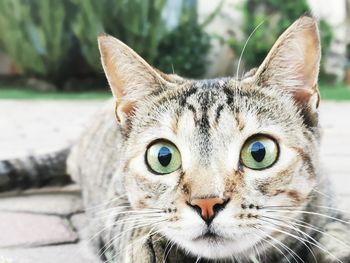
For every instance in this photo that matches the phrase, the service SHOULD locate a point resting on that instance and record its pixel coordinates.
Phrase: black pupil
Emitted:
(258, 151)
(164, 156)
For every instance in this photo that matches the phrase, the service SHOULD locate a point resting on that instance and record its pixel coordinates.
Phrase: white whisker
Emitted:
(303, 239)
(284, 224)
(105, 203)
(115, 238)
(243, 49)
(314, 228)
(309, 213)
(272, 244)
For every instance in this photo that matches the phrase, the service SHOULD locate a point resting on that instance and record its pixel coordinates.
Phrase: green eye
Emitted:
(259, 152)
(163, 157)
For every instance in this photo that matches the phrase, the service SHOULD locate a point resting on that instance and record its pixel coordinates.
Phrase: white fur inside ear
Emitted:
(314, 101)
(121, 116)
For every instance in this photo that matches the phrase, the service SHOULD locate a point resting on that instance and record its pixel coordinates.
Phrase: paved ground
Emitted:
(45, 226)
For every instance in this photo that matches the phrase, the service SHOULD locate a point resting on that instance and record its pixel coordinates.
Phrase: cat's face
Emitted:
(217, 156)
(204, 140)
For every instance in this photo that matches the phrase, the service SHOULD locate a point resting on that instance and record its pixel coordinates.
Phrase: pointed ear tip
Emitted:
(105, 39)
(102, 37)
(107, 42)
(308, 21)
(102, 34)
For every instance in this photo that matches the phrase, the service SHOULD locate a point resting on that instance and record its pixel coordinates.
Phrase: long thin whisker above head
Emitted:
(243, 49)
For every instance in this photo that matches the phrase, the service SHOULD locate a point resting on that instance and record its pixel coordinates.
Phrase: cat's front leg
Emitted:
(155, 249)
(334, 244)
(141, 252)
(146, 248)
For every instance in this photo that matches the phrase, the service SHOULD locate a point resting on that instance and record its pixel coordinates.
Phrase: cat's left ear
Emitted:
(130, 78)
(293, 63)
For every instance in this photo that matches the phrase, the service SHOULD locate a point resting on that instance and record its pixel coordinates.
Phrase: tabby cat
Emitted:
(218, 170)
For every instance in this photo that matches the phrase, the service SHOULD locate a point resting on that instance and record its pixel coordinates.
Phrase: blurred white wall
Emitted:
(228, 20)
(336, 14)
(6, 65)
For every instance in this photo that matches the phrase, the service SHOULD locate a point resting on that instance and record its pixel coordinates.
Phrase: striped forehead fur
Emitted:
(219, 94)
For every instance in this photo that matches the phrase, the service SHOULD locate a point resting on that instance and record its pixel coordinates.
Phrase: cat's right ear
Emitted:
(130, 78)
(293, 63)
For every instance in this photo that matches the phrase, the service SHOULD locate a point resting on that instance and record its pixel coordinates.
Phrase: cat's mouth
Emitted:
(209, 235)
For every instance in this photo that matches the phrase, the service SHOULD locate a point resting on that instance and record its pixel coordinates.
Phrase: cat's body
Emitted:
(177, 170)
(99, 160)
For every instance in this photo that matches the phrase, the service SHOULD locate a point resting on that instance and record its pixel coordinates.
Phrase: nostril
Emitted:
(196, 208)
(218, 207)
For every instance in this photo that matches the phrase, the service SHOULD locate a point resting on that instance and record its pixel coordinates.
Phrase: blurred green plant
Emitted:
(53, 40)
(165, 33)
(33, 35)
(137, 23)
(183, 50)
(276, 17)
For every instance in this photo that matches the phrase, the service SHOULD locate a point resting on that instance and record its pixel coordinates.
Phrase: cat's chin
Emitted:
(216, 247)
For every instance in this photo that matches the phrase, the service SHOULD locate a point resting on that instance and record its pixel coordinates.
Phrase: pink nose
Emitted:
(207, 207)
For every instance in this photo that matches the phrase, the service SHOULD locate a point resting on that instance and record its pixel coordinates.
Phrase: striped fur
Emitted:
(34, 171)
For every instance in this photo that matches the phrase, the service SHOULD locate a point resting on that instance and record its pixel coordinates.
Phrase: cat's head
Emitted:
(214, 158)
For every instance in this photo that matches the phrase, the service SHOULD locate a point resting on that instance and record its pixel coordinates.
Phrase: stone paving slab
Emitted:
(67, 189)
(71, 253)
(59, 204)
(41, 126)
(30, 230)
(79, 222)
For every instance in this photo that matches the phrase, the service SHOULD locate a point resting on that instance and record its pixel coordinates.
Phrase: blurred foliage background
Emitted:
(54, 42)
(275, 17)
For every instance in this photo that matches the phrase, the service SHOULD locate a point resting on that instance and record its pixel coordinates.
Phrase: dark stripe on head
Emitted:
(185, 95)
(218, 113)
(191, 108)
